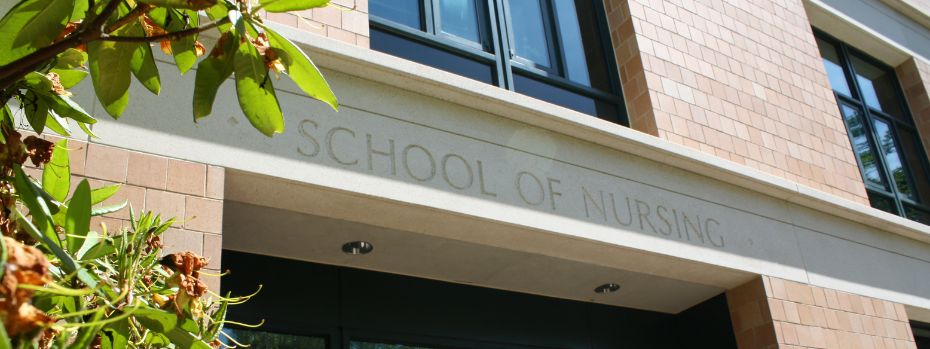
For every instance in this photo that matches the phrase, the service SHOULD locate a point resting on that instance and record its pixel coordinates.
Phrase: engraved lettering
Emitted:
(708, 231)
(332, 152)
(691, 225)
(484, 189)
(302, 129)
(552, 193)
(538, 188)
(661, 211)
(644, 217)
(588, 198)
(445, 171)
(629, 211)
(388, 153)
(432, 162)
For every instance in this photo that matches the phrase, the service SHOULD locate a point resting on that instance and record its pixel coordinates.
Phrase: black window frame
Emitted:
(496, 50)
(856, 101)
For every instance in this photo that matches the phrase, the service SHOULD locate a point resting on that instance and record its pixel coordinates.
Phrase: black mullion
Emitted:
(506, 37)
(611, 64)
(564, 83)
(875, 147)
(498, 46)
(429, 17)
(556, 50)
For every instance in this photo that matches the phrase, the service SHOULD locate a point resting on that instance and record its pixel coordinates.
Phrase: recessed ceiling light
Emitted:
(357, 247)
(607, 288)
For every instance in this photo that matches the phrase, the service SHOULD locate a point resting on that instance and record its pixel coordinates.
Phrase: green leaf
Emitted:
(301, 69)
(4, 338)
(110, 71)
(255, 91)
(291, 5)
(30, 25)
(67, 263)
(36, 111)
(102, 210)
(142, 62)
(77, 222)
(101, 194)
(163, 322)
(66, 107)
(87, 334)
(115, 335)
(56, 177)
(183, 49)
(185, 4)
(57, 124)
(38, 82)
(211, 73)
(70, 77)
(70, 59)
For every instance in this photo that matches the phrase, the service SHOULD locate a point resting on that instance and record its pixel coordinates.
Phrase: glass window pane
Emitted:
(529, 31)
(882, 202)
(917, 214)
(460, 18)
(406, 12)
(831, 61)
(552, 94)
(867, 157)
(913, 153)
(268, 340)
(877, 86)
(441, 59)
(886, 141)
(576, 65)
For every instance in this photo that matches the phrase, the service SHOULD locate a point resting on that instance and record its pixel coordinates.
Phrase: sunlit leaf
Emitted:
(57, 123)
(291, 5)
(301, 69)
(66, 107)
(142, 62)
(56, 176)
(71, 58)
(30, 25)
(110, 71)
(36, 111)
(211, 73)
(185, 54)
(185, 4)
(102, 210)
(77, 221)
(168, 324)
(255, 91)
(101, 194)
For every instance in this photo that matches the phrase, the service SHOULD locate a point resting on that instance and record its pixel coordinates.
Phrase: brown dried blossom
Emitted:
(25, 265)
(38, 150)
(187, 267)
(57, 88)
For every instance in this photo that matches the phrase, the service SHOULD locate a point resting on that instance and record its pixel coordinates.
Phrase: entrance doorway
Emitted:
(318, 306)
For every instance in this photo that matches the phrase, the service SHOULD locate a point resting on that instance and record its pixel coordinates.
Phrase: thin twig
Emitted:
(169, 36)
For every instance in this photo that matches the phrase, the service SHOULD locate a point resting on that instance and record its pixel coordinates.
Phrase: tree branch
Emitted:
(13, 72)
(169, 36)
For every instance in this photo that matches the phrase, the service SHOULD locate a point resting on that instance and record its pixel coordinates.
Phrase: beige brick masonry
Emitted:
(343, 20)
(742, 80)
(770, 313)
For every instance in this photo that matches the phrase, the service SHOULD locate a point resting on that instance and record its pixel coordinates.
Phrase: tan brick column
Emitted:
(770, 313)
(914, 76)
(742, 80)
(343, 20)
(190, 192)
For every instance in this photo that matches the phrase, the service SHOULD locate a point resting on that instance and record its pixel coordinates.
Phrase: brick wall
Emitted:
(914, 76)
(741, 80)
(343, 20)
(190, 192)
(770, 313)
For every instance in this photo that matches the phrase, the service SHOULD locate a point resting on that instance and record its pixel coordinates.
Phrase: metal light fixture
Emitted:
(357, 247)
(607, 288)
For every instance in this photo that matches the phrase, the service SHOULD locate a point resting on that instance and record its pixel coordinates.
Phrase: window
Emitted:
(890, 156)
(554, 50)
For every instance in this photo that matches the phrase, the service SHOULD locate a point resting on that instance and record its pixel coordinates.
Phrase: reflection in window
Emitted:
(863, 148)
(406, 12)
(576, 65)
(529, 31)
(268, 340)
(460, 18)
(877, 86)
(831, 61)
(892, 158)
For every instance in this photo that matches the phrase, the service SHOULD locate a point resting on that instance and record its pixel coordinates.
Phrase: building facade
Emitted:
(562, 174)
